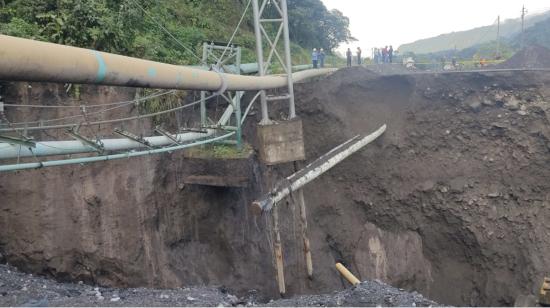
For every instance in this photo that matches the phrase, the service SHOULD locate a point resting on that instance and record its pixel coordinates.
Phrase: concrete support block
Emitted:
(282, 142)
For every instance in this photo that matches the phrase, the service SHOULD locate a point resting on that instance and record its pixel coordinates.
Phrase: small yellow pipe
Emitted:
(347, 274)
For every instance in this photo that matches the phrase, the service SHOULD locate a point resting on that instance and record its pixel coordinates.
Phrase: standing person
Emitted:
(375, 56)
(348, 56)
(322, 56)
(358, 55)
(384, 54)
(315, 57)
(390, 54)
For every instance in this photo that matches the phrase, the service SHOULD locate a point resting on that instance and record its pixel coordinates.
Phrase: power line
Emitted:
(92, 106)
(234, 32)
(125, 104)
(112, 121)
(166, 30)
(523, 12)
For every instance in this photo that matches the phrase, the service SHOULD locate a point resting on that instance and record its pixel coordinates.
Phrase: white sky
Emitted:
(379, 23)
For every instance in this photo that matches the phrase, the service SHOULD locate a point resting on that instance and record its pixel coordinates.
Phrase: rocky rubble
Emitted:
(18, 289)
(367, 294)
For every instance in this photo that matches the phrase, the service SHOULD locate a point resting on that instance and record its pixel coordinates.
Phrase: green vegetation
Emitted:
(220, 151)
(120, 26)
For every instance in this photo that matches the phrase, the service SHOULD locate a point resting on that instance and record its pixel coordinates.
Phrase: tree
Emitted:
(313, 26)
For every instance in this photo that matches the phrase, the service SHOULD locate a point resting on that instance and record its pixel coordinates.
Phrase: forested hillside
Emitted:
(470, 38)
(133, 27)
(537, 34)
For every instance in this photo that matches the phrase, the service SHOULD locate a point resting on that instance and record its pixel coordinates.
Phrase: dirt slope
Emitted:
(534, 56)
(451, 202)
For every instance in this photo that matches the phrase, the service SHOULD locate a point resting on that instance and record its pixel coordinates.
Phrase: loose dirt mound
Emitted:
(459, 181)
(534, 56)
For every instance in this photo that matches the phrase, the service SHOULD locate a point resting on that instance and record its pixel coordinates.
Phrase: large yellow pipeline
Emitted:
(29, 60)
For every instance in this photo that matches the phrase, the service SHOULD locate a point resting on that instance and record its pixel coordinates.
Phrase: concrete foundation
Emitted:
(282, 142)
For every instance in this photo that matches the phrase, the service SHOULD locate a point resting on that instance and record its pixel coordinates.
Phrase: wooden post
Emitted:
(278, 253)
(303, 227)
(305, 239)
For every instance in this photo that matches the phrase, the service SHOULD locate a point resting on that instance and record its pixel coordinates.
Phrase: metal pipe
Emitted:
(237, 104)
(28, 60)
(314, 170)
(51, 148)
(347, 274)
(107, 157)
(288, 58)
(260, 59)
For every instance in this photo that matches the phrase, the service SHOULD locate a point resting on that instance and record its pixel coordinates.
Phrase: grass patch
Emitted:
(220, 151)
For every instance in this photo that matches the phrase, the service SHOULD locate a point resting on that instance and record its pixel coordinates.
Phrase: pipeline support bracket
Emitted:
(133, 137)
(166, 134)
(28, 142)
(98, 146)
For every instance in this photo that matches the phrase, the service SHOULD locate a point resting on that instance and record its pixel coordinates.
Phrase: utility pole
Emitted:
(523, 12)
(498, 38)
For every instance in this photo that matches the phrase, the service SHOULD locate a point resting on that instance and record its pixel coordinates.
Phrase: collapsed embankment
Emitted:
(451, 202)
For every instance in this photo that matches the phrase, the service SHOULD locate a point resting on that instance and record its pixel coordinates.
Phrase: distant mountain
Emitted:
(539, 34)
(469, 38)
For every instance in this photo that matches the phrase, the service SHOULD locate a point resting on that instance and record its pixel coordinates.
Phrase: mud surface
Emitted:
(451, 202)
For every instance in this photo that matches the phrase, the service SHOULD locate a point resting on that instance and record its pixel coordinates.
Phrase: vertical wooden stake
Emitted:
(305, 239)
(279, 253)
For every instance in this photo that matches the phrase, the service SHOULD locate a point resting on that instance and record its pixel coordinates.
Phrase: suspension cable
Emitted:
(122, 105)
(92, 106)
(234, 33)
(166, 30)
(112, 121)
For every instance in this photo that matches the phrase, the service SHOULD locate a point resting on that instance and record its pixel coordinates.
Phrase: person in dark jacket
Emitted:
(322, 56)
(349, 56)
(390, 54)
(359, 56)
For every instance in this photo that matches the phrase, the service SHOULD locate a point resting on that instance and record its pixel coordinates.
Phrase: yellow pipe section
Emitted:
(29, 60)
(347, 274)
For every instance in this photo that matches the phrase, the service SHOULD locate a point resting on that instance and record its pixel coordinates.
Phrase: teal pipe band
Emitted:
(101, 67)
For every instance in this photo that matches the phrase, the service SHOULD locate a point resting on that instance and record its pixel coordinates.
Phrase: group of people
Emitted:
(380, 55)
(383, 55)
(349, 56)
(318, 58)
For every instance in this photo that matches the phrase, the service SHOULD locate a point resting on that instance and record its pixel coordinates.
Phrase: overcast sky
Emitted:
(380, 23)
